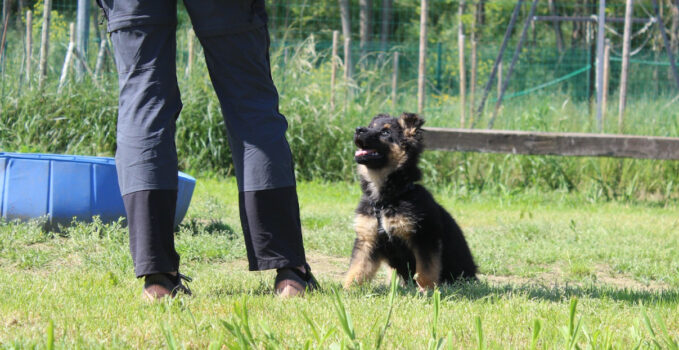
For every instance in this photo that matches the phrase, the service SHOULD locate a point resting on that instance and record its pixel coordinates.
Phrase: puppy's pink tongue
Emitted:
(362, 152)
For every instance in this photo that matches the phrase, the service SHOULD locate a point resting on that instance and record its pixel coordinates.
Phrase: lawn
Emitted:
(558, 270)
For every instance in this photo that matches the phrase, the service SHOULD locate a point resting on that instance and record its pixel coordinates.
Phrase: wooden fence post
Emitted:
(83, 62)
(333, 72)
(607, 72)
(463, 79)
(421, 77)
(347, 67)
(5, 24)
(600, 62)
(462, 68)
(473, 71)
(101, 56)
(499, 78)
(625, 65)
(69, 56)
(29, 45)
(44, 43)
(394, 83)
(190, 42)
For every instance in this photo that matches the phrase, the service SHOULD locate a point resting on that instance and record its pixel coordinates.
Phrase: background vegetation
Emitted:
(81, 118)
(573, 252)
(556, 272)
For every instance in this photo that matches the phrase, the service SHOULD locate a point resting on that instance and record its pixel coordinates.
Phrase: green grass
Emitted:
(557, 271)
(81, 120)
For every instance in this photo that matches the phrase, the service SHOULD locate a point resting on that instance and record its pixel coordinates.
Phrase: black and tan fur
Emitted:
(398, 222)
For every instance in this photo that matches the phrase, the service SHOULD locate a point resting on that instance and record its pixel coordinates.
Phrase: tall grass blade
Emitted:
(169, 337)
(344, 317)
(479, 333)
(50, 335)
(536, 333)
(450, 341)
(572, 331)
(392, 295)
(312, 324)
(239, 326)
(571, 316)
(437, 311)
(669, 342)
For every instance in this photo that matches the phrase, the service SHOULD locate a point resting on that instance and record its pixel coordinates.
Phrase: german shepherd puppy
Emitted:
(398, 221)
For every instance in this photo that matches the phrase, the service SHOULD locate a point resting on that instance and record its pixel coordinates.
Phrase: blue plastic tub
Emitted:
(63, 187)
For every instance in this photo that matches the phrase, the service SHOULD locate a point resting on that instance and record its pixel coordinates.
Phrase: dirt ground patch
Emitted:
(329, 267)
(333, 268)
(601, 275)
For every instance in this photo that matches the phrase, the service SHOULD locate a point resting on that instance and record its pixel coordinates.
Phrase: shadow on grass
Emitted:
(558, 293)
(482, 290)
(196, 227)
(555, 293)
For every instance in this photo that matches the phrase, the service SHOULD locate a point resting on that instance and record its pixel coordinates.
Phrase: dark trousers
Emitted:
(236, 43)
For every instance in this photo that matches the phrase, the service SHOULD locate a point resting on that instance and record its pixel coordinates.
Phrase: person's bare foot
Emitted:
(288, 285)
(161, 285)
(156, 292)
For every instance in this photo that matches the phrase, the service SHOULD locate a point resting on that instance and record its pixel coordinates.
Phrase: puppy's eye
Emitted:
(385, 132)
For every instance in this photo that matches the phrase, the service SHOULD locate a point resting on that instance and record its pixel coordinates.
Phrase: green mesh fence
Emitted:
(556, 58)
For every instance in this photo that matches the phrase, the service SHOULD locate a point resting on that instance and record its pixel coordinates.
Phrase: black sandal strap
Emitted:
(306, 279)
(172, 283)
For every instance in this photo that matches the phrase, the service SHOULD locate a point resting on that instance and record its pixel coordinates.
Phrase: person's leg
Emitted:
(239, 70)
(238, 63)
(143, 36)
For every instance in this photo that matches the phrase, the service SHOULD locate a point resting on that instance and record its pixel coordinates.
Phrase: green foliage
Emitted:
(81, 120)
(523, 244)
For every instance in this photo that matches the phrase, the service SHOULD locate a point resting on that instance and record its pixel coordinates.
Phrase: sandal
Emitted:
(159, 285)
(305, 279)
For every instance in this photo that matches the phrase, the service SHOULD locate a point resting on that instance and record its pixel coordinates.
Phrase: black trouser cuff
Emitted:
(272, 228)
(150, 219)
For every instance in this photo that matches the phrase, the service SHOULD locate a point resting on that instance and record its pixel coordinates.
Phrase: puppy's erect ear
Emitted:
(411, 123)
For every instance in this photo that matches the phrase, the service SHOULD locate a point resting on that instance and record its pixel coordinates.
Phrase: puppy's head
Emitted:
(388, 142)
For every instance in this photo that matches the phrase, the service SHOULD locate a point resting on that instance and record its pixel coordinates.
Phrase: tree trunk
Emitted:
(625, 65)
(421, 77)
(478, 17)
(386, 24)
(557, 26)
(463, 73)
(345, 13)
(20, 11)
(481, 13)
(365, 7)
(578, 27)
(674, 31)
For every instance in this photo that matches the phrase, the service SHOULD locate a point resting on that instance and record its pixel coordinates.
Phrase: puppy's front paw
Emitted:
(348, 282)
(423, 283)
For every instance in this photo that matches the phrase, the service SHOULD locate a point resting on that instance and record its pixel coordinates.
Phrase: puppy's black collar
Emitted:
(384, 201)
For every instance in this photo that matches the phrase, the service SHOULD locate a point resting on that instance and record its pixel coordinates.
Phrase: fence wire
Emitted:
(557, 57)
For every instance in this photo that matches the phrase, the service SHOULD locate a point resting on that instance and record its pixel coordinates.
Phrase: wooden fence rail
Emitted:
(546, 143)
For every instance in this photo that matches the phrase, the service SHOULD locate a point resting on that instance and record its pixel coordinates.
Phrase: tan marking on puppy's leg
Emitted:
(363, 267)
(427, 269)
